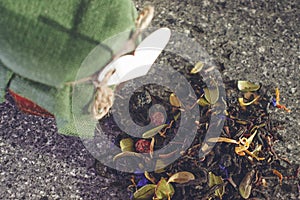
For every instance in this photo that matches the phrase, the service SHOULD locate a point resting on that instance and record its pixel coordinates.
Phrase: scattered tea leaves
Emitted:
(181, 177)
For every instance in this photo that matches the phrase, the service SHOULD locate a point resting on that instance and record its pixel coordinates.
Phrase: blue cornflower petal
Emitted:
(273, 101)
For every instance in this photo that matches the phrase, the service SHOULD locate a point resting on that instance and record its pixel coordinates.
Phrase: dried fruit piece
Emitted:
(142, 146)
(145, 193)
(181, 177)
(197, 68)
(246, 86)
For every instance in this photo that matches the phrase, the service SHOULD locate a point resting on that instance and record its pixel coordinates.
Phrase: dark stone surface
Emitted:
(251, 40)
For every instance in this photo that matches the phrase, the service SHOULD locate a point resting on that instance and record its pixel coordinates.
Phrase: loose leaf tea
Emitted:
(241, 165)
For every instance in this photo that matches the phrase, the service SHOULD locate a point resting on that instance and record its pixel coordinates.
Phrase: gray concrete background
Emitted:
(250, 40)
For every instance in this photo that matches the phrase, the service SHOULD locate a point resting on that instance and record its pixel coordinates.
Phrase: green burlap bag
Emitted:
(44, 42)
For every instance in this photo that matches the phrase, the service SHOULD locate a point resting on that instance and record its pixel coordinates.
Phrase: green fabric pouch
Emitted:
(43, 45)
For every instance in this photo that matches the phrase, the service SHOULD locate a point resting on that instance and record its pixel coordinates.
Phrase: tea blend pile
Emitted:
(242, 163)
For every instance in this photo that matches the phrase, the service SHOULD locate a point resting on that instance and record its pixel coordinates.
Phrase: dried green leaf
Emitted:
(159, 166)
(145, 193)
(197, 68)
(164, 190)
(246, 86)
(216, 180)
(154, 131)
(127, 153)
(245, 185)
(203, 102)
(126, 144)
(174, 101)
(181, 177)
(212, 94)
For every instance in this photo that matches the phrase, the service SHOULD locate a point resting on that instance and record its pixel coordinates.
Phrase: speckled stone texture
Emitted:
(250, 40)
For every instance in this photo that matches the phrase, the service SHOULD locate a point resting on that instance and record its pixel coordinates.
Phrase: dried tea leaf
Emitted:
(145, 193)
(246, 86)
(203, 102)
(216, 180)
(242, 103)
(198, 67)
(177, 116)
(181, 177)
(159, 166)
(149, 177)
(212, 95)
(126, 144)
(127, 153)
(174, 101)
(152, 147)
(154, 131)
(164, 190)
(245, 185)
(222, 139)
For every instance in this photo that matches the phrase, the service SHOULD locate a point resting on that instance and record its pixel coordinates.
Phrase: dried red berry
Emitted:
(142, 146)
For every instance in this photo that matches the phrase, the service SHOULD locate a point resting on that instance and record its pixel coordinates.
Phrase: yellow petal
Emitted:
(242, 103)
(198, 67)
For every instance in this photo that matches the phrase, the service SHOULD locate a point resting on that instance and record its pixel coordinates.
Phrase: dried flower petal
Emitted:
(280, 176)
